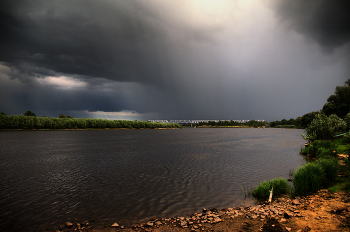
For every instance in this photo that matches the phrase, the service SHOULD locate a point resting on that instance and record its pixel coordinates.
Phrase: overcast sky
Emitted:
(172, 59)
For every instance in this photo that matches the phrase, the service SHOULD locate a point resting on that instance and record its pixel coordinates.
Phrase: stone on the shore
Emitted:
(149, 224)
(158, 223)
(296, 202)
(115, 225)
(69, 224)
(183, 223)
(217, 220)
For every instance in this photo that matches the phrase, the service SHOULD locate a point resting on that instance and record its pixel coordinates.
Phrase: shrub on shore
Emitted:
(308, 179)
(320, 149)
(324, 128)
(262, 191)
(330, 170)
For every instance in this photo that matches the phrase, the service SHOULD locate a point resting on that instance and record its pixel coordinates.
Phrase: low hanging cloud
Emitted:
(172, 59)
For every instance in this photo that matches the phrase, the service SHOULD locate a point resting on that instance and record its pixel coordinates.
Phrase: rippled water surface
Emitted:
(49, 177)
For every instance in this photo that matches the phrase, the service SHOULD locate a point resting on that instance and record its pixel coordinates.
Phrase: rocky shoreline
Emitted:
(323, 211)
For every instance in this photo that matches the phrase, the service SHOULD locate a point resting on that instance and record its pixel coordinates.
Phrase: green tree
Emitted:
(297, 122)
(339, 102)
(324, 128)
(306, 119)
(61, 116)
(29, 113)
(2, 113)
(347, 120)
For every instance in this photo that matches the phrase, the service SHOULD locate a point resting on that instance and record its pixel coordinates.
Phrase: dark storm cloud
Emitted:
(72, 37)
(123, 41)
(326, 22)
(52, 100)
(117, 40)
(175, 59)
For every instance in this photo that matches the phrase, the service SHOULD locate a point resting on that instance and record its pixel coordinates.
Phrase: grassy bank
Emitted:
(328, 167)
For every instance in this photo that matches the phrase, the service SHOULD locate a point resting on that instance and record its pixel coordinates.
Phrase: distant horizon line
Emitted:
(206, 121)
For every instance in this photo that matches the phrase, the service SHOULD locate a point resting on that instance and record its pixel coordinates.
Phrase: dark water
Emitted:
(49, 177)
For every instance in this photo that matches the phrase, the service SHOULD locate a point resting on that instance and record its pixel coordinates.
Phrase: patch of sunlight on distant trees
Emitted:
(33, 122)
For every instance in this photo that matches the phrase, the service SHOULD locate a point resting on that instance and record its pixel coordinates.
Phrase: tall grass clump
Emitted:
(308, 179)
(262, 191)
(330, 170)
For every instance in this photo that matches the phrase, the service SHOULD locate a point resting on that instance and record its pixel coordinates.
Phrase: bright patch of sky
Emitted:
(62, 82)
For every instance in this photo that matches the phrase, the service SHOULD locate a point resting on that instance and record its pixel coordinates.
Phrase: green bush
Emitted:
(308, 179)
(346, 138)
(341, 149)
(325, 153)
(324, 128)
(324, 143)
(330, 170)
(262, 191)
(320, 149)
(308, 150)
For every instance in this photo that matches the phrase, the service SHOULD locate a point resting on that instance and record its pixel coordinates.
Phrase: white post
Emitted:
(270, 197)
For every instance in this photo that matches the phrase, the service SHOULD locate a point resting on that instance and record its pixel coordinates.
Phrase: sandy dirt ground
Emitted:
(323, 211)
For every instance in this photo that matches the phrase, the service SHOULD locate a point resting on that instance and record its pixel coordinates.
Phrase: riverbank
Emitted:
(323, 211)
(160, 128)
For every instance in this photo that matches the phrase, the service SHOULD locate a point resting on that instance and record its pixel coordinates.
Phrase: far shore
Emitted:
(88, 129)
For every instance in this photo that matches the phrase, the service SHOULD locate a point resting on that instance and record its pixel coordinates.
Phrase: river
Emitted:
(50, 177)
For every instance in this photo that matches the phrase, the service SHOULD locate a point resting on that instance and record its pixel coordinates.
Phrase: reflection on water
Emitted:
(49, 177)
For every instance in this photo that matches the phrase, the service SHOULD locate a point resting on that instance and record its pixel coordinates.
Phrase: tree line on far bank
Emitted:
(232, 123)
(33, 122)
(337, 104)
